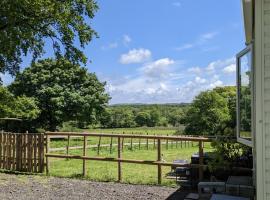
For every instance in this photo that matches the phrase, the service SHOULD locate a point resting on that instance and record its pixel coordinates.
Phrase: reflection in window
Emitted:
(245, 96)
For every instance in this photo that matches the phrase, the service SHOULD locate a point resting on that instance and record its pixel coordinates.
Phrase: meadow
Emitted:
(132, 173)
(95, 140)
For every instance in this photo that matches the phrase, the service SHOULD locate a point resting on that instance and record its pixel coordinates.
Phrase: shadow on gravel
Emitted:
(179, 194)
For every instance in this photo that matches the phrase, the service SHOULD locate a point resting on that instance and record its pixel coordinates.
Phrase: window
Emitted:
(245, 96)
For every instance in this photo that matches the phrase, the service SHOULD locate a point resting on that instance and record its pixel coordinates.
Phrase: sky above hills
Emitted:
(164, 51)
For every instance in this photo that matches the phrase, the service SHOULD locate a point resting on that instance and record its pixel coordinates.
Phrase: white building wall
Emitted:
(266, 91)
(262, 98)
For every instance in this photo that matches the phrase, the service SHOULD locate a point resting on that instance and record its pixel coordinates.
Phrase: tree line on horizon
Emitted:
(139, 115)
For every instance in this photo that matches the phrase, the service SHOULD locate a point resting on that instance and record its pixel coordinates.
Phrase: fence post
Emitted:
(159, 160)
(111, 145)
(123, 145)
(98, 147)
(131, 143)
(154, 142)
(84, 154)
(119, 162)
(147, 146)
(47, 151)
(201, 160)
(167, 143)
(139, 143)
(68, 143)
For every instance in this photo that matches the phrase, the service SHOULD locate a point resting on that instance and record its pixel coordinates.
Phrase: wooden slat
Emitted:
(19, 152)
(35, 153)
(47, 152)
(4, 150)
(24, 152)
(1, 146)
(42, 153)
(14, 152)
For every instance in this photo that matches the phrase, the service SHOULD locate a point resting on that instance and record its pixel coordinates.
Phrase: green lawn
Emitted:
(95, 140)
(132, 173)
(140, 130)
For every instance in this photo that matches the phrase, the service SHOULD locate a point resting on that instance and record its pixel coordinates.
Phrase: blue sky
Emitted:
(164, 51)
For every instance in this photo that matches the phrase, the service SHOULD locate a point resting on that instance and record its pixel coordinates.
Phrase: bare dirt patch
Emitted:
(26, 187)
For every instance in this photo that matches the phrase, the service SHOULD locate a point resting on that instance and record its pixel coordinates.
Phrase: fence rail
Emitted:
(120, 137)
(22, 152)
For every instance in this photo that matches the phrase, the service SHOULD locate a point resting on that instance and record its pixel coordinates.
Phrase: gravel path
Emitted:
(24, 187)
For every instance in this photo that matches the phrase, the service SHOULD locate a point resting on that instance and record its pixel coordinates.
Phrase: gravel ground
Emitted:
(38, 187)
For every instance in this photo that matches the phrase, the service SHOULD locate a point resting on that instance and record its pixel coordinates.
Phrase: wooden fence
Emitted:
(120, 137)
(22, 152)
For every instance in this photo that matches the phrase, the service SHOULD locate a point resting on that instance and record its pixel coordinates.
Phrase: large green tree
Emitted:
(25, 26)
(64, 91)
(20, 107)
(212, 112)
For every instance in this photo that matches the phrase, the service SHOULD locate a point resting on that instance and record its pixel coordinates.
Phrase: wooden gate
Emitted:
(22, 152)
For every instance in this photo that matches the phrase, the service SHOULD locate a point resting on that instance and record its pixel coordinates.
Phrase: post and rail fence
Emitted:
(30, 152)
(119, 159)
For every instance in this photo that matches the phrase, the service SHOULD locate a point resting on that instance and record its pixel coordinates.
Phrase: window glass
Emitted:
(245, 96)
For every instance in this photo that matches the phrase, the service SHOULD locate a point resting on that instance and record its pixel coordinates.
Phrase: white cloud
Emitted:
(201, 40)
(135, 56)
(200, 80)
(112, 45)
(168, 81)
(230, 69)
(126, 39)
(220, 64)
(184, 47)
(196, 70)
(216, 84)
(158, 69)
(208, 36)
(176, 4)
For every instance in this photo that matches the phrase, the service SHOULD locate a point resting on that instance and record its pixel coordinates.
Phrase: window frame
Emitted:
(242, 53)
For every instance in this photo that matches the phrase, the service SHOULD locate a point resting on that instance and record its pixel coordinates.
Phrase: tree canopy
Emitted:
(26, 25)
(64, 92)
(20, 107)
(212, 112)
(138, 115)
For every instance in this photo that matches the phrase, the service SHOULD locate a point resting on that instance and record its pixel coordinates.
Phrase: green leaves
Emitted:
(64, 92)
(25, 26)
(212, 112)
(20, 107)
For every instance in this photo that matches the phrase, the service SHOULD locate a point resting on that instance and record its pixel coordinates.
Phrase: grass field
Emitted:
(140, 130)
(132, 173)
(95, 140)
